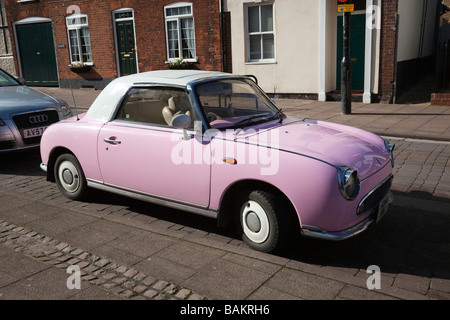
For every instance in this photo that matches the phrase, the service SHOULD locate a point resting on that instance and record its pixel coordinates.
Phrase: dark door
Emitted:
(37, 54)
(126, 47)
(357, 53)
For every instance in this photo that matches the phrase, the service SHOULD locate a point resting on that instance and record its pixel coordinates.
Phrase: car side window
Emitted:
(156, 106)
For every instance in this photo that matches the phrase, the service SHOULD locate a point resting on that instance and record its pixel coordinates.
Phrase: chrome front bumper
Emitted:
(319, 233)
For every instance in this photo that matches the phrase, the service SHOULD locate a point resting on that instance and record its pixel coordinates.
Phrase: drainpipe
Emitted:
(222, 51)
(422, 28)
(394, 97)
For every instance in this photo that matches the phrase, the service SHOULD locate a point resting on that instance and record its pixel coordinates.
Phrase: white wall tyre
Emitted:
(261, 221)
(70, 178)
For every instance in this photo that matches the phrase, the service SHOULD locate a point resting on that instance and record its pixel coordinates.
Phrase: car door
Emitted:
(140, 152)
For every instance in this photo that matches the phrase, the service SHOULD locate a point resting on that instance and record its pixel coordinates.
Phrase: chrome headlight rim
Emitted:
(349, 183)
(65, 110)
(390, 149)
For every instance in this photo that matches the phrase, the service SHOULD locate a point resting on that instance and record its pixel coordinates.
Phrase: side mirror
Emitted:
(182, 121)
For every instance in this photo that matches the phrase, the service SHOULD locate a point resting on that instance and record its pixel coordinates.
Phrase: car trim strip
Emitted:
(168, 202)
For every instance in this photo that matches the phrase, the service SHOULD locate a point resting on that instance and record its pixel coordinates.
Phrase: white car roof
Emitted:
(108, 99)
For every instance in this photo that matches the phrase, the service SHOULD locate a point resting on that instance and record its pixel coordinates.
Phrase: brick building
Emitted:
(293, 47)
(110, 38)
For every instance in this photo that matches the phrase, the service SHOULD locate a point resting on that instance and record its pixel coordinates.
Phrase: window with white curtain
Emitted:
(260, 33)
(79, 38)
(180, 31)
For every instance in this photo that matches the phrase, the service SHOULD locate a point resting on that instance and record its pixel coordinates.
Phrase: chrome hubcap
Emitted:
(253, 222)
(68, 176)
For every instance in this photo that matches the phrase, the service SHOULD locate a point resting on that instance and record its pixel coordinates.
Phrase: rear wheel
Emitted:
(70, 178)
(262, 221)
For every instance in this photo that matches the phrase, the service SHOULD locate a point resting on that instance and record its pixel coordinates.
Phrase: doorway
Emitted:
(36, 51)
(125, 42)
(357, 50)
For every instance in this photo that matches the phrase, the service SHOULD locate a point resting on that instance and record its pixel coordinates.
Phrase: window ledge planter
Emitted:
(79, 67)
(180, 64)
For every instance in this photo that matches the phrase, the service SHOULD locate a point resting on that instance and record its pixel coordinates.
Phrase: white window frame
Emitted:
(248, 59)
(78, 26)
(178, 19)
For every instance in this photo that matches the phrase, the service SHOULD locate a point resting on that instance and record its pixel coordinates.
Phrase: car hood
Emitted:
(22, 98)
(335, 144)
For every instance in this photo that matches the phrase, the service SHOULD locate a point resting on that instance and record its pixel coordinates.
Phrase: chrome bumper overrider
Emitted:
(44, 166)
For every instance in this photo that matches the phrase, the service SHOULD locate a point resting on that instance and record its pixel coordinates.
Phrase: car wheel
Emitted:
(261, 222)
(70, 177)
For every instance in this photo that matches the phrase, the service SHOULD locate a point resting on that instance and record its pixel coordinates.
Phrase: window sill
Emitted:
(259, 62)
(186, 64)
(186, 60)
(90, 64)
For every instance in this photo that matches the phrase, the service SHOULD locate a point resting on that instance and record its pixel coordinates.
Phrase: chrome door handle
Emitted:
(112, 141)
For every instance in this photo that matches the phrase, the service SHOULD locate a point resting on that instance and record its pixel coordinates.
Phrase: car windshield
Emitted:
(235, 103)
(6, 80)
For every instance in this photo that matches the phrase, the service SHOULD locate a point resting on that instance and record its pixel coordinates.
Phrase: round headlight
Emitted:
(349, 184)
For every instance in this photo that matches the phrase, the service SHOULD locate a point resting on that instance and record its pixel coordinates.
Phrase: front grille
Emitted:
(373, 198)
(34, 120)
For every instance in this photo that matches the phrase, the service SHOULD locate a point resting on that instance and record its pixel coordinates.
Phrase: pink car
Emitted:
(214, 144)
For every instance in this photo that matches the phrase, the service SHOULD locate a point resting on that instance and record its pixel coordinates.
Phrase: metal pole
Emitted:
(346, 69)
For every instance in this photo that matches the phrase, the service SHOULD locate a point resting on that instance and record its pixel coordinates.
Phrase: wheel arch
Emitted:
(226, 205)
(52, 160)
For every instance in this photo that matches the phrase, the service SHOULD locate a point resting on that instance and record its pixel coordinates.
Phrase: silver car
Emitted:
(25, 113)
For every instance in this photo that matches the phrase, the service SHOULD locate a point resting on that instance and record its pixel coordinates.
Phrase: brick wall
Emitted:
(149, 28)
(440, 99)
(388, 50)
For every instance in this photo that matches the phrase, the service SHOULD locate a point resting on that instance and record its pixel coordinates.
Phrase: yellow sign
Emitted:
(346, 8)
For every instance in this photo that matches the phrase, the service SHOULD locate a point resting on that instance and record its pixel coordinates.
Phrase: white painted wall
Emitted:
(410, 29)
(305, 47)
(296, 69)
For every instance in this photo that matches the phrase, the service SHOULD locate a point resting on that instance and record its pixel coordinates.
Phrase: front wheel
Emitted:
(262, 221)
(70, 178)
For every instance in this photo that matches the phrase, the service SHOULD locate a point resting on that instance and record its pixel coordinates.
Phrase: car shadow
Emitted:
(408, 240)
(24, 162)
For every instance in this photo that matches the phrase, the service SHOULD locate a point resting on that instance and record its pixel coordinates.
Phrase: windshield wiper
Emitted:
(280, 115)
(245, 122)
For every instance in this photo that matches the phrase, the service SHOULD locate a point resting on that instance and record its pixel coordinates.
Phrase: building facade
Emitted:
(295, 47)
(87, 43)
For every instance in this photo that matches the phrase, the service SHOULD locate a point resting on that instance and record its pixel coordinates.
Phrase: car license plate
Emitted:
(384, 206)
(33, 132)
